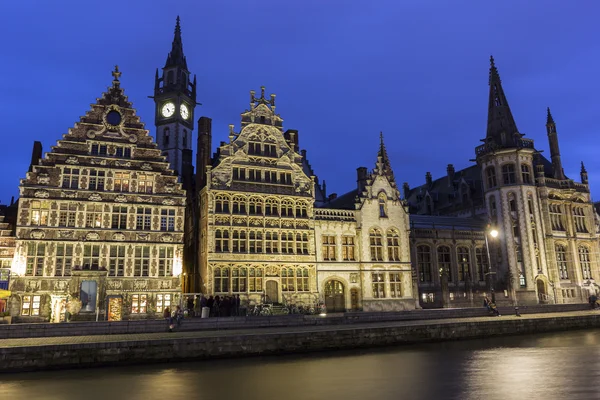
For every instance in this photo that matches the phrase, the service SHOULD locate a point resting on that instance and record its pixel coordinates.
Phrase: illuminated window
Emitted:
(117, 260)
(424, 263)
(585, 263)
(463, 263)
(287, 280)
(378, 285)
(64, 259)
(165, 261)
(67, 214)
(163, 301)
(328, 247)
(39, 213)
(376, 245)
(444, 262)
(348, 248)
(70, 178)
(255, 280)
(141, 264)
(122, 180)
(393, 245)
(31, 305)
(139, 303)
(93, 216)
(395, 285)
(145, 183)
(36, 253)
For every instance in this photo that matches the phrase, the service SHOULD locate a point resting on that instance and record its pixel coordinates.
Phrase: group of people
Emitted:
(225, 306)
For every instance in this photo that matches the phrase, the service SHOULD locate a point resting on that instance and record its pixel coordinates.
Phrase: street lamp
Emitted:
(493, 233)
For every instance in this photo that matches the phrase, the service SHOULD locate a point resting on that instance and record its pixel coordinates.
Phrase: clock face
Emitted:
(168, 110)
(185, 112)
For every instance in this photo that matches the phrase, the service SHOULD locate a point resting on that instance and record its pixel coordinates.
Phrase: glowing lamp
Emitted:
(494, 233)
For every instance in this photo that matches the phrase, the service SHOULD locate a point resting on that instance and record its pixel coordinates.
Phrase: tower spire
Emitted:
(583, 174)
(554, 150)
(502, 129)
(383, 165)
(176, 57)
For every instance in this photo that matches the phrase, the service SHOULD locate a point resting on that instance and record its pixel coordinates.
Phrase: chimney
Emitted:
(204, 146)
(406, 190)
(428, 179)
(361, 178)
(187, 173)
(450, 170)
(332, 196)
(583, 174)
(36, 154)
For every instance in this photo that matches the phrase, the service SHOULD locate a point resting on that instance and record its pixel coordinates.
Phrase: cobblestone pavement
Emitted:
(132, 337)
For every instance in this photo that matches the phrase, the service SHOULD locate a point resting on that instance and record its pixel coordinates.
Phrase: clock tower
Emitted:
(175, 99)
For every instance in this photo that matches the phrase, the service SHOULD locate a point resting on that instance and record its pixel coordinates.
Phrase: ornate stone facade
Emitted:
(100, 220)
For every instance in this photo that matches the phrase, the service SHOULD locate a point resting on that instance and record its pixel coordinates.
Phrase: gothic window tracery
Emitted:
(585, 262)
(393, 245)
(562, 261)
(222, 204)
(271, 207)
(556, 217)
(376, 244)
(579, 219)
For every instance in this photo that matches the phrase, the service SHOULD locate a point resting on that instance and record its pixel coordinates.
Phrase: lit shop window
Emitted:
(139, 303)
(31, 305)
(162, 301)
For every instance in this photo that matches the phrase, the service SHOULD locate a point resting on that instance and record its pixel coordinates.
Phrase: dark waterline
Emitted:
(551, 366)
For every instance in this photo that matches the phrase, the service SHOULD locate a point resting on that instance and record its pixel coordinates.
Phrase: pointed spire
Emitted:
(383, 165)
(176, 57)
(583, 170)
(583, 174)
(554, 148)
(502, 129)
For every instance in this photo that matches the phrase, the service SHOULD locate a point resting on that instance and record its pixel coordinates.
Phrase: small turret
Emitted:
(428, 179)
(406, 190)
(583, 174)
(554, 150)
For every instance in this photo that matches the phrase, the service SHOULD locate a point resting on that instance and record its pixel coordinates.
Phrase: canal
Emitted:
(550, 366)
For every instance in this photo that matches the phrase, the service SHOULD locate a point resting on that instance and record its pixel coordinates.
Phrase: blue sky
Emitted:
(342, 70)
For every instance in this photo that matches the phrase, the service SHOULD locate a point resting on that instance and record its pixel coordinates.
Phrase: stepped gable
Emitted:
(260, 145)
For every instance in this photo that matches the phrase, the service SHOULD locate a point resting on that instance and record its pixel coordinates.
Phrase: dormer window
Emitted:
(262, 120)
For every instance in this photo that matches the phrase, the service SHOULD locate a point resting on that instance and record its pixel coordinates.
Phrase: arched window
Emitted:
(221, 241)
(490, 173)
(382, 206)
(463, 263)
(444, 262)
(221, 284)
(585, 263)
(562, 261)
(185, 139)
(424, 263)
(376, 245)
(166, 136)
(393, 245)
(556, 217)
(239, 205)
(255, 207)
(301, 209)
(483, 265)
(579, 219)
(239, 280)
(222, 204)
(287, 208)
(526, 173)
(508, 174)
(271, 208)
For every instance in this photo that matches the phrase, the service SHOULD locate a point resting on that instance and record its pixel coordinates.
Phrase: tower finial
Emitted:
(177, 26)
(176, 57)
(262, 92)
(116, 74)
(583, 167)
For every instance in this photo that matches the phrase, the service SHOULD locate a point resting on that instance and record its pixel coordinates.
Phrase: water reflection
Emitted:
(557, 366)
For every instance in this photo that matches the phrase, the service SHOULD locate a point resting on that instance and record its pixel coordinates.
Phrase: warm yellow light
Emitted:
(494, 233)
(177, 264)
(19, 263)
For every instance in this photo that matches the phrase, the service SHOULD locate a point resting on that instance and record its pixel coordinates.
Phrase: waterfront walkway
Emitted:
(266, 331)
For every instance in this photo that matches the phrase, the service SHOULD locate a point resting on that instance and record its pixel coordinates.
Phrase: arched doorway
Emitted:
(334, 296)
(541, 289)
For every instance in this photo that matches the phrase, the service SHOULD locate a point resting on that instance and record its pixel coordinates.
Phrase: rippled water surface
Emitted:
(554, 366)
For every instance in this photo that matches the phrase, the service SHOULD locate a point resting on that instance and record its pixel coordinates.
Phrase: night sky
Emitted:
(343, 70)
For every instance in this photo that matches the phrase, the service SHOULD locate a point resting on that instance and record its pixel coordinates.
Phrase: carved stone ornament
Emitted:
(170, 188)
(272, 270)
(133, 138)
(120, 199)
(143, 237)
(168, 202)
(146, 167)
(119, 236)
(115, 285)
(98, 161)
(42, 194)
(164, 284)
(65, 234)
(140, 285)
(69, 195)
(144, 199)
(61, 285)
(43, 179)
(37, 234)
(126, 164)
(92, 236)
(166, 238)
(95, 197)
(72, 160)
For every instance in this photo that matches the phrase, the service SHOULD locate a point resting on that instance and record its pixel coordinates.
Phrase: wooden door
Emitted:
(334, 296)
(272, 292)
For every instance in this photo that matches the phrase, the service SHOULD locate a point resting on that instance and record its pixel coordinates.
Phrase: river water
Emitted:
(552, 366)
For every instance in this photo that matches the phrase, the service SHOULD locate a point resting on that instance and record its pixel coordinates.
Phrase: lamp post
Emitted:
(493, 233)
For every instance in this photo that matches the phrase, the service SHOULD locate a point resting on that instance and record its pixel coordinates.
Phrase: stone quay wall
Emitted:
(198, 324)
(207, 345)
